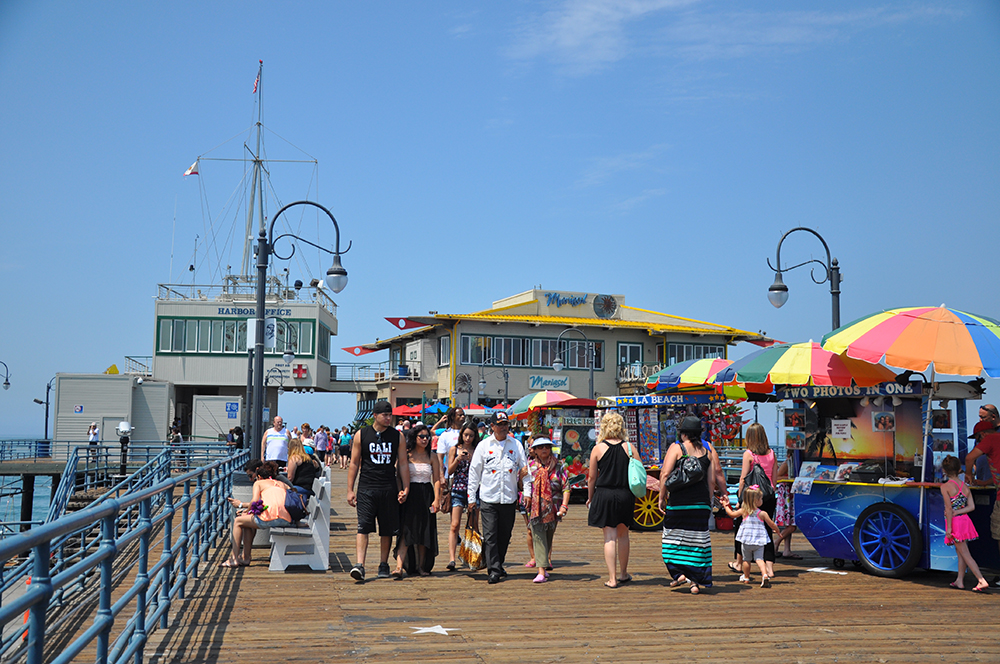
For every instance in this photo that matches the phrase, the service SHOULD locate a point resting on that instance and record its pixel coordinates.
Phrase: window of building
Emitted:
(229, 336)
(629, 354)
(323, 342)
(510, 351)
(575, 354)
(683, 352)
(166, 330)
(475, 349)
(543, 352)
(241, 336)
(217, 327)
(444, 350)
(204, 336)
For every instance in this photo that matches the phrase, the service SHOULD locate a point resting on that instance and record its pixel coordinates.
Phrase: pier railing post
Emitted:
(104, 616)
(36, 616)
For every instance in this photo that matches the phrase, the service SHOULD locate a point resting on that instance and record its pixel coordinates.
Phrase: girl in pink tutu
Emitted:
(958, 528)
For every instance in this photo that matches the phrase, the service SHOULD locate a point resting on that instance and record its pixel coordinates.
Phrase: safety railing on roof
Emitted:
(82, 560)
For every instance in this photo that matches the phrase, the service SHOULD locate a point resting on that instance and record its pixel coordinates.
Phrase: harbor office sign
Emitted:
(548, 382)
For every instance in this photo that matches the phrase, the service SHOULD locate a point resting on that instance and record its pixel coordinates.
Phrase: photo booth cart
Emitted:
(867, 472)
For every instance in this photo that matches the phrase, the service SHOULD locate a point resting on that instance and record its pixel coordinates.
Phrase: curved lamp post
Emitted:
(559, 364)
(336, 280)
(6, 376)
(502, 369)
(778, 292)
(48, 388)
(274, 373)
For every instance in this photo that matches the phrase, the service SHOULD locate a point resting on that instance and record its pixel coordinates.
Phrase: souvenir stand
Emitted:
(573, 435)
(867, 471)
(651, 420)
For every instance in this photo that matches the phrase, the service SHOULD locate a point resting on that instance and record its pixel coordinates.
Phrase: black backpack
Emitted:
(295, 503)
(759, 477)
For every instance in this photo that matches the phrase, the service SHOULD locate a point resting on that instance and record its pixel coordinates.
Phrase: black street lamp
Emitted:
(336, 280)
(6, 376)
(778, 292)
(559, 364)
(48, 388)
(483, 373)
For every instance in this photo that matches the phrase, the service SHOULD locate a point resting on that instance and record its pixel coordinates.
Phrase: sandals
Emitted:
(695, 590)
(679, 581)
(735, 567)
(398, 573)
(233, 564)
(766, 583)
(608, 584)
(450, 566)
(625, 579)
(530, 563)
(956, 586)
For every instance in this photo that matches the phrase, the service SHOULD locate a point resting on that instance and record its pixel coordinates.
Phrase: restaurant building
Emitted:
(510, 349)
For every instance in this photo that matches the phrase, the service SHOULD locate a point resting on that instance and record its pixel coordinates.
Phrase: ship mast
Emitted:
(256, 186)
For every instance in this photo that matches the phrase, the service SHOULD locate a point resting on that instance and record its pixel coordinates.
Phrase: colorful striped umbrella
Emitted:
(534, 400)
(735, 389)
(686, 374)
(808, 364)
(954, 342)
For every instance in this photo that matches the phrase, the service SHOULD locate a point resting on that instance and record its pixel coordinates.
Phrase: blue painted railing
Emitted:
(92, 550)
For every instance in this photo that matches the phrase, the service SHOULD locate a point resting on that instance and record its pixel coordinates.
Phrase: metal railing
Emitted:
(87, 556)
(639, 371)
(141, 365)
(243, 289)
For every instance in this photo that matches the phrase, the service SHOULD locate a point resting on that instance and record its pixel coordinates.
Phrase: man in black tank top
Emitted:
(376, 455)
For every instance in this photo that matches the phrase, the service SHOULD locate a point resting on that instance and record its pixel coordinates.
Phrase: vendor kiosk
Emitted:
(651, 420)
(866, 478)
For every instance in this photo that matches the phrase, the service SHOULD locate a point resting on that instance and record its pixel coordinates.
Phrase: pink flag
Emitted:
(193, 170)
(256, 81)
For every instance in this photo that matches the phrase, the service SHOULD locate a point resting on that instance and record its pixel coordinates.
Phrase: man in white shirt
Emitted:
(455, 420)
(274, 444)
(494, 474)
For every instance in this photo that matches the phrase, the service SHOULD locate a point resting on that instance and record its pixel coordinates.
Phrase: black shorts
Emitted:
(381, 504)
(345, 450)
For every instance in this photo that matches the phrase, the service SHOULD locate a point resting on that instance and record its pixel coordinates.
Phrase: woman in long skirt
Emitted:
(686, 544)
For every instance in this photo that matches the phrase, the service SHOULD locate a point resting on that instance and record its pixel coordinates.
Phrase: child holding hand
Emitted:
(752, 534)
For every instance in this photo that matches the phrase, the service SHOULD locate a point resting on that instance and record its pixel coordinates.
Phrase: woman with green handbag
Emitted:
(609, 500)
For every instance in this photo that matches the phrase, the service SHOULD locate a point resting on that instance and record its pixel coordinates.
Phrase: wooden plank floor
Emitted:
(253, 615)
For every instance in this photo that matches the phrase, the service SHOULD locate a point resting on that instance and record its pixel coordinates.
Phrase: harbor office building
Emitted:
(507, 351)
(200, 366)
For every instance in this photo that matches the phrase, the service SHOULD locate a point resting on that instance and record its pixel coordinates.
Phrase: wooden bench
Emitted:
(309, 543)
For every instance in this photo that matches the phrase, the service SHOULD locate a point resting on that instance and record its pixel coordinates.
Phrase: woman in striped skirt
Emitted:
(687, 547)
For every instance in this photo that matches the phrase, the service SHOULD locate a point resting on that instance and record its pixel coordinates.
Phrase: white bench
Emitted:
(308, 544)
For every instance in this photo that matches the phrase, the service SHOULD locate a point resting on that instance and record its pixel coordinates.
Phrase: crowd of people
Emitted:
(400, 477)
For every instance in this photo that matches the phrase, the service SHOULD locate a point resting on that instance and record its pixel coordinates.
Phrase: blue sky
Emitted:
(657, 149)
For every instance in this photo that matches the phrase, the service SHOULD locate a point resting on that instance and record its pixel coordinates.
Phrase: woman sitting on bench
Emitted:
(271, 493)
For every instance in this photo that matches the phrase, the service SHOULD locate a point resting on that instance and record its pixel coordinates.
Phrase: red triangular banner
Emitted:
(358, 350)
(404, 323)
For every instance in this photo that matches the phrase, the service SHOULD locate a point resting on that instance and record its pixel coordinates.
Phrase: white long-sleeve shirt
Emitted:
(494, 469)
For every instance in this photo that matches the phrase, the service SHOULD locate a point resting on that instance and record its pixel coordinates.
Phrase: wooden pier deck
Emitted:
(252, 615)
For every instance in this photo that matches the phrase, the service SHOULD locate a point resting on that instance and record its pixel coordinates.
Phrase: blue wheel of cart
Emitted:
(887, 540)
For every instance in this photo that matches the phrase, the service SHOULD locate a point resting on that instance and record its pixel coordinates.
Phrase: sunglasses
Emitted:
(422, 435)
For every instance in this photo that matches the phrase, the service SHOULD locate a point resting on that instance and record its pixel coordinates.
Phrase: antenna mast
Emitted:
(256, 185)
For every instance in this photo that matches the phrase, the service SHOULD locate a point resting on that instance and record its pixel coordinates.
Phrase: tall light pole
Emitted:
(559, 363)
(48, 388)
(778, 292)
(336, 280)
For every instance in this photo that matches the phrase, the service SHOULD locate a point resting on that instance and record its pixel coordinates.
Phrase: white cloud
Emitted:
(629, 203)
(585, 36)
(603, 168)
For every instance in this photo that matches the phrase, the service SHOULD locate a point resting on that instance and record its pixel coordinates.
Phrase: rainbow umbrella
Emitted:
(529, 402)
(808, 364)
(915, 338)
(735, 389)
(686, 374)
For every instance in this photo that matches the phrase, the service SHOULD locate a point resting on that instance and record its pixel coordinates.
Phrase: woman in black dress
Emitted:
(609, 499)
(686, 544)
(418, 515)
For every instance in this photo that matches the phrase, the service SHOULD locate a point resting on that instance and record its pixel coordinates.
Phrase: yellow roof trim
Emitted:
(657, 313)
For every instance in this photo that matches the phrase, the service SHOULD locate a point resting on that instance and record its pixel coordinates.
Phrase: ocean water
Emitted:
(10, 506)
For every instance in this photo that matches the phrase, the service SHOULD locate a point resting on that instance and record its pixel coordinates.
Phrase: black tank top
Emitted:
(378, 458)
(612, 468)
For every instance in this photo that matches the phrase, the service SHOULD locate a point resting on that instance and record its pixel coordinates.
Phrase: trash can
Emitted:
(43, 449)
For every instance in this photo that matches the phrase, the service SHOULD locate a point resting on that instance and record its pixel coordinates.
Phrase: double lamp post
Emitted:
(336, 280)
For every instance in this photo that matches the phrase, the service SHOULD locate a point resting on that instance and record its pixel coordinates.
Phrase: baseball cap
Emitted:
(982, 427)
(381, 407)
(499, 417)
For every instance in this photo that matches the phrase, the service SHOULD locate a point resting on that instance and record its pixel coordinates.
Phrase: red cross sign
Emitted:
(299, 371)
